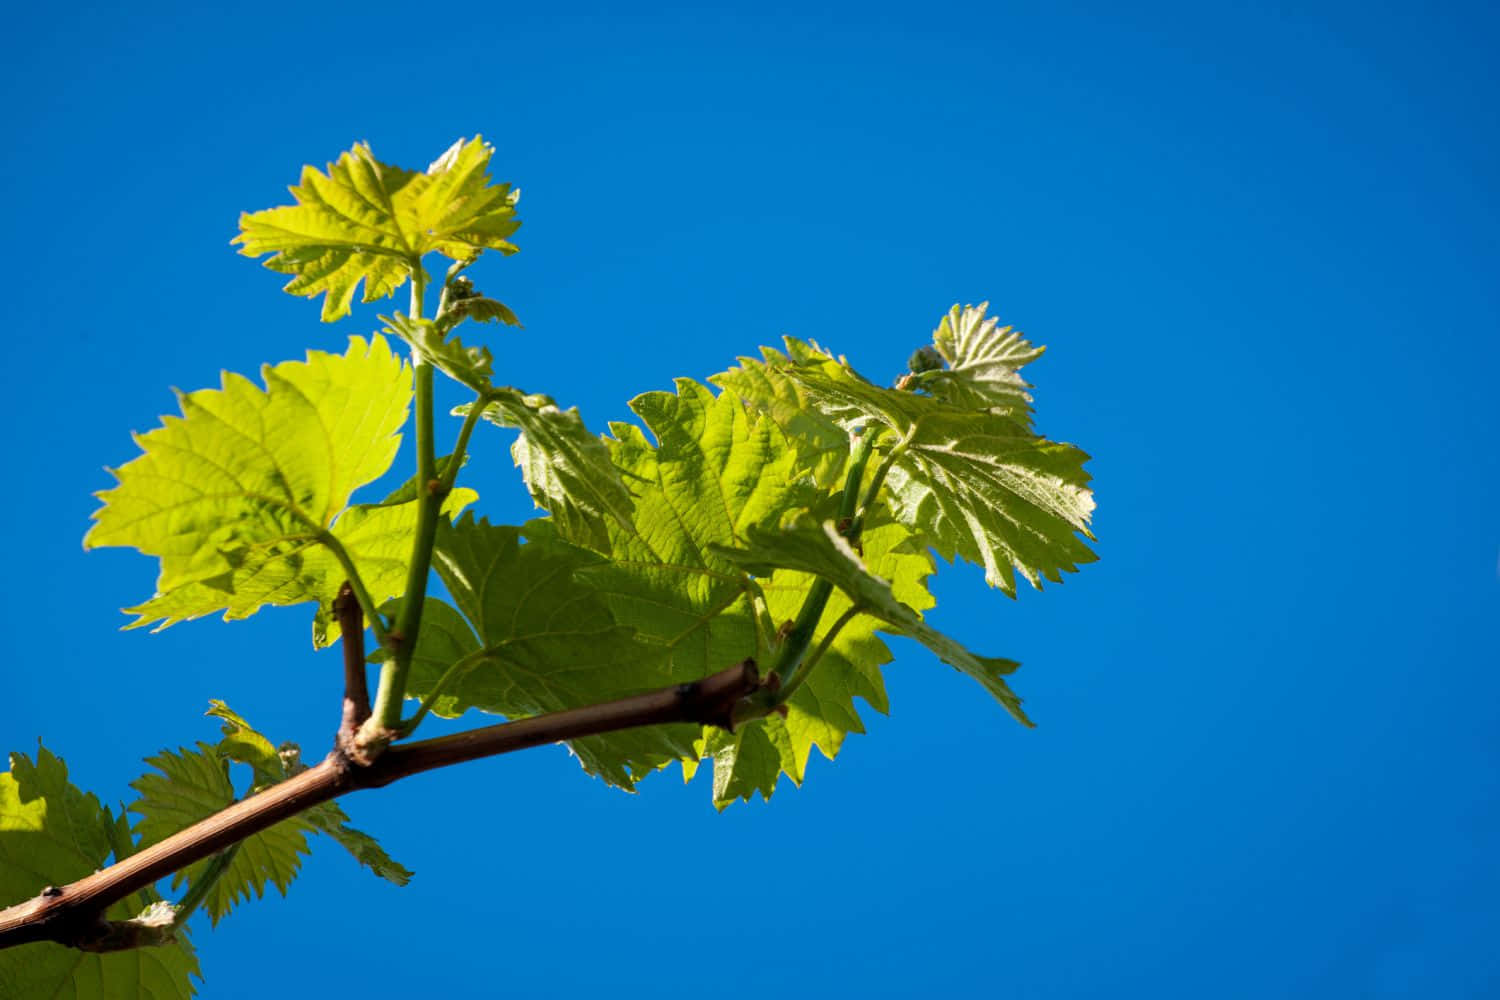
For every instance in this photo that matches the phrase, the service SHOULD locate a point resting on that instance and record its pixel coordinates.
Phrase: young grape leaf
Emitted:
(984, 360)
(715, 472)
(804, 544)
(243, 743)
(51, 834)
(974, 483)
(190, 785)
(486, 310)
(234, 495)
(551, 643)
(369, 221)
(567, 469)
(469, 366)
(821, 444)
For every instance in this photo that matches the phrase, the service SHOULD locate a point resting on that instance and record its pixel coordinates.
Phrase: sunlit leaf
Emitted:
(233, 495)
(566, 467)
(369, 221)
(804, 544)
(51, 834)
(550, 640)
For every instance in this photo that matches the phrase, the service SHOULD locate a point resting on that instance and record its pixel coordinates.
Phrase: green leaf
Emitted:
(331, 820)
(715, 472)
(551, 643)
(822, 446)
(984, 360)
(233, 495)
(378, 539)
(52, 834)
(567, 469)
(486, 310)
(973, 483)
(806, 545)
(369, 221)
(191, 785)
(469, 366)
(243, 743)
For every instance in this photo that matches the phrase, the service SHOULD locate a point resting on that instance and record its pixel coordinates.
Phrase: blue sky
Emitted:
(1260, 245)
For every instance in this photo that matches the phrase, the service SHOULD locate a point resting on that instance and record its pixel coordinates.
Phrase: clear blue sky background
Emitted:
(1261, 246)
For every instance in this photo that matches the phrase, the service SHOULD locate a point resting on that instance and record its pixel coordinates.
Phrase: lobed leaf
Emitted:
(270, 765)
(549, 639)
(715, 472)
(567, 469)
(984, 361)
(369, 221)
(974, 483)
(191, 785)
(51, 833)
(233, 495)
(804, 544)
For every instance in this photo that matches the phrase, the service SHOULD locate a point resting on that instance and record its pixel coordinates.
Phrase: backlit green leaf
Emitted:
(973, 483)
(821, 444)
(51, 834)
(550, 639)
(369, 221)
(984, 361)
(269, 764)
(806, 545)
(715, 472)
(191, 785)
(567, 468)
(233, 495)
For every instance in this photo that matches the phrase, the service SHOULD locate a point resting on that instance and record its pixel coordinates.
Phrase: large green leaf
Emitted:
(822, 446)
(232, 496)
(804, 544)
(567, 468)
(51, 834)
(550, 643)
(973, 482)
(191, 785)
(369, 221)
(822, 711)
(715, 472)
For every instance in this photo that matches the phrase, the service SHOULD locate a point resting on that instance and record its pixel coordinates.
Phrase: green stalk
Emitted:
(456, 458)
(204, 884)
(878, 480)
(385, 716)
(362, 595)
(788, 688)
(791, 668)
(455, 670)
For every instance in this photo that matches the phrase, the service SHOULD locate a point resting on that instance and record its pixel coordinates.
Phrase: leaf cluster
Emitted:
(786, 511)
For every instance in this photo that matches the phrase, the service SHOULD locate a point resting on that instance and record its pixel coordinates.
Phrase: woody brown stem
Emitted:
(356, 684)
(72, 915)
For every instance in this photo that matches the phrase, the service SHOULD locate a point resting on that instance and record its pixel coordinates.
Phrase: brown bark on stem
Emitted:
(356, 684)
(72, 914)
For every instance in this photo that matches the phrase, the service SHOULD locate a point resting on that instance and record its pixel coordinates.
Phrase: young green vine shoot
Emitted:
(709, 584)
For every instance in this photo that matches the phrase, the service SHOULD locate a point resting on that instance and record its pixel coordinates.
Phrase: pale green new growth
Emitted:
(971, 482)
(369, 221)
(236, 495)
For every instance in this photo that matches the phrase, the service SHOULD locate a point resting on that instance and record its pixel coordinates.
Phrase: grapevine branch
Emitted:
(73, 914)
